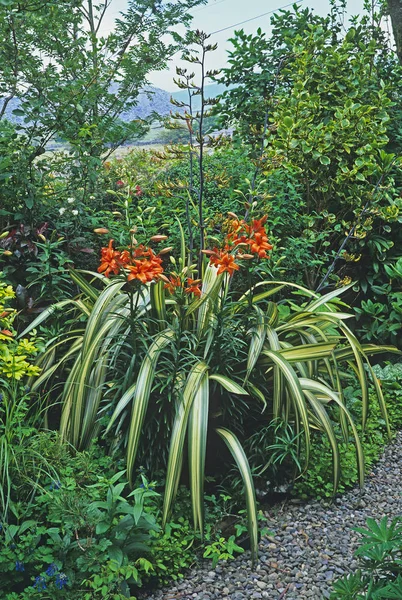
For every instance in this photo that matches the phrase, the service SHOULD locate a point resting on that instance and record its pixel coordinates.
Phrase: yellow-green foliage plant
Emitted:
(16, 365)
(15, 355)
(189, 359)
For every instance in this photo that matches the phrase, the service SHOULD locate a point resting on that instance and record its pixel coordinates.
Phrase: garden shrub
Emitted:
(330, 104)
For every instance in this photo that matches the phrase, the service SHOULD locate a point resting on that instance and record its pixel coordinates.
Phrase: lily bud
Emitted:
(4, 235)
(42, 237)
(101, 230)
(7, 253)
(6, 332)
(245, 256)
(158, 238)
(208, 252)
(233, 215)
(166, 250)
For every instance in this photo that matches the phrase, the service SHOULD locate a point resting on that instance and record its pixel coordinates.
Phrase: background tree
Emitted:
(395, 12)
(74, 79)
(323, 98)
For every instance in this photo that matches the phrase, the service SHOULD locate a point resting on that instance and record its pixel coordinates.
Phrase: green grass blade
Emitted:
(256, 393)
(85, 287)
(257, 341)
(211, 287)
(48, 312)
(282, 284)
(328, 297)
(380, 397)
(307, 352)
(356, 348)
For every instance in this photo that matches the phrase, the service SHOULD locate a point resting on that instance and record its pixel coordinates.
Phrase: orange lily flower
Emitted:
(225, 263)
(109, 260)
(193, 287)
(173, 283)
(145, 271)
(259, 245)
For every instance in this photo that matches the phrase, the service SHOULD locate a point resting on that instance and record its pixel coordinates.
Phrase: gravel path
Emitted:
(312, 544)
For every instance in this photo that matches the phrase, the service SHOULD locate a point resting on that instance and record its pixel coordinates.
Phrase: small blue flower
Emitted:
(61, 580)
(40, 583)
(55, 485)
(1, 397)
(19, 566)
(51, 570)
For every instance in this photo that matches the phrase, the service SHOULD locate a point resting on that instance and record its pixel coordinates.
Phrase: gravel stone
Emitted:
(310, 545)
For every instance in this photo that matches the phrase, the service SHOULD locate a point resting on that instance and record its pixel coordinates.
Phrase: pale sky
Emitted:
(219, 14)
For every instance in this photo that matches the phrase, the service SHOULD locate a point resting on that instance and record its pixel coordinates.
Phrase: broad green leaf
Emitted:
(197, 446)
(141, 396)
(322, 392)
(295, 392)
(196, 383)
(307, 352)
(238, 454)
(229, 384)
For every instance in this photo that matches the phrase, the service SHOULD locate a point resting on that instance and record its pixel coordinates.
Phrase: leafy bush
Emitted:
(218, 347)
(320, 109)
(81, 532)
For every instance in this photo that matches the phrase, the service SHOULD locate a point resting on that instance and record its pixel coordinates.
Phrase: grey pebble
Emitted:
(310, 544)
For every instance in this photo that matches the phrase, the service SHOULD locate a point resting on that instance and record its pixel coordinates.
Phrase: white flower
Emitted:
(62, 211)
(70, 200)
(92, 197)
(75, 212)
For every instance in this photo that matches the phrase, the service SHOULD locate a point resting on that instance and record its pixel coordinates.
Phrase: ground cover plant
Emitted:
(379, 554)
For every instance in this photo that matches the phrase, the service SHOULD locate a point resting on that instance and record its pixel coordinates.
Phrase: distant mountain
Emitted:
(150, 100)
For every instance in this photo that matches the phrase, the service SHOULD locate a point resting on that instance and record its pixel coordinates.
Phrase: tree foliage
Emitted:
(320, 103)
